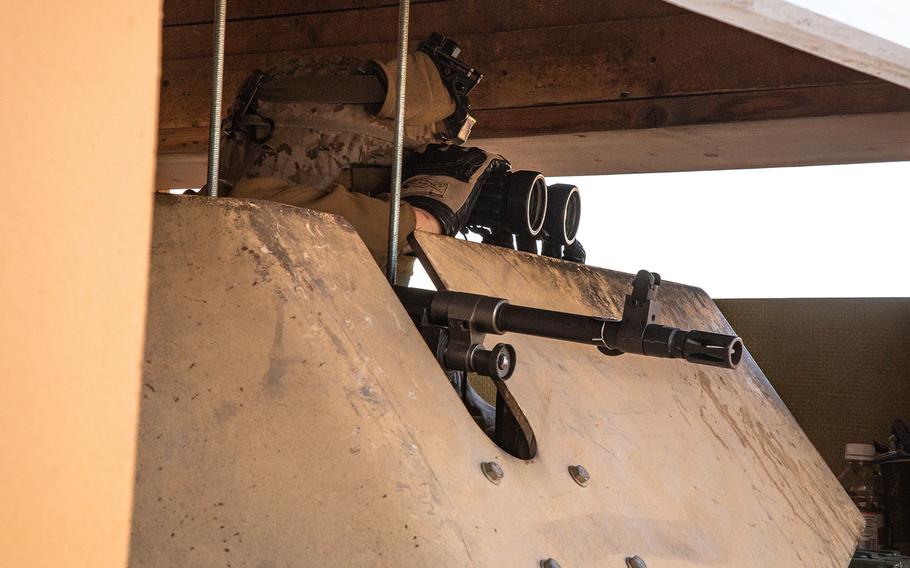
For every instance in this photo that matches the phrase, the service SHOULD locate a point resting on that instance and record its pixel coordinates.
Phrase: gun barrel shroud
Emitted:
(496, 315)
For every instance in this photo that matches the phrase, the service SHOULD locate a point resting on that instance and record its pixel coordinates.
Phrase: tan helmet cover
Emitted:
(315, 144)
(427, 100)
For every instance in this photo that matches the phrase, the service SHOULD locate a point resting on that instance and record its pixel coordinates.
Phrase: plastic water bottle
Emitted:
(863, 485)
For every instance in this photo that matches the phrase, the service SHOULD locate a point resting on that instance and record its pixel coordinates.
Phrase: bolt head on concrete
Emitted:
(492, 471)
(579, 474)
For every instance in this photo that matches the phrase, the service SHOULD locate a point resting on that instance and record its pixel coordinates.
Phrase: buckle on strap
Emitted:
(247, 104)
(251, 123)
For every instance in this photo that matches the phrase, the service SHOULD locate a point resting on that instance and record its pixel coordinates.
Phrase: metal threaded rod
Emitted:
(217, 82)
(404, 8)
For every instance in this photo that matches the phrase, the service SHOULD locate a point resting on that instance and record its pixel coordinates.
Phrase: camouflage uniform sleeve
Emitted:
(368, 215)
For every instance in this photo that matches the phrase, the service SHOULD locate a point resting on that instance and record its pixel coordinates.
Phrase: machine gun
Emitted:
(454, 325)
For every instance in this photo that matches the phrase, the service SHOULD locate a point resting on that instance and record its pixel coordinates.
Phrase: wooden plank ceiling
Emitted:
(570, 86)
(787, 22)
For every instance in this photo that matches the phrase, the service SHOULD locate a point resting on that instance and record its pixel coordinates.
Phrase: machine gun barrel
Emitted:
(555, 325)
(485, 314)
(695, 346)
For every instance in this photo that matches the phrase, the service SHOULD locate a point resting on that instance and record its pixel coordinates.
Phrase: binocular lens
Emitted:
(511, 203)
(573, 215)
(527, 202)
(563, 214)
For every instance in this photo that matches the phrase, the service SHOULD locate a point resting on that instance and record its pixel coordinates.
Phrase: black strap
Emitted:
(351, 89)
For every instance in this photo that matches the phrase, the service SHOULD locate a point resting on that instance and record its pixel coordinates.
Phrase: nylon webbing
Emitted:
(351, 89)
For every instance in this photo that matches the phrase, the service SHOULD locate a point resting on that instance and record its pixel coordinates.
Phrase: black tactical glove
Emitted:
(575, 253)
(446, 180)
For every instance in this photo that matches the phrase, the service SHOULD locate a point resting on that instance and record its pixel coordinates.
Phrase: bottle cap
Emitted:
(859, 452)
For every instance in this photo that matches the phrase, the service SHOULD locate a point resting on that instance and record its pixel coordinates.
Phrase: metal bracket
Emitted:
(459, 78)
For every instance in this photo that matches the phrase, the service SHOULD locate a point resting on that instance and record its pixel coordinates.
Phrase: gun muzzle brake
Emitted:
(702, 347)
(715, 349)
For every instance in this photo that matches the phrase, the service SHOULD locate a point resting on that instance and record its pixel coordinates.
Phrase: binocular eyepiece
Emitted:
(512, 202)
(519, 206)
(563, 214)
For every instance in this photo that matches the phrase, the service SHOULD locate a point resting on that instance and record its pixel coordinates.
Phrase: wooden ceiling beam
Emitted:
(584, 137)
(552, 69)
(803, 29)
(811, 141)
(377, 22)
(196, 12)
(679, 55)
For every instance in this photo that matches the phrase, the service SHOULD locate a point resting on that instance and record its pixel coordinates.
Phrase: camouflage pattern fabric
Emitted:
(313, 144)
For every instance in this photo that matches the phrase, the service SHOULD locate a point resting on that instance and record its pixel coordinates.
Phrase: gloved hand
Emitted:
(445, 181)
(428, 100)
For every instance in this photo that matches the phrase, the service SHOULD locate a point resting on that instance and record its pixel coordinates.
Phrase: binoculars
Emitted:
(518, 209)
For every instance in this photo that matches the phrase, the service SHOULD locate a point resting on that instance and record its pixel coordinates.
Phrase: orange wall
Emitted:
(78, 101)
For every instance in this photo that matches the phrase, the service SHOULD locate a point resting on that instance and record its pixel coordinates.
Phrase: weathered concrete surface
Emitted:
(691, 465)
(292, 416)
(282, 423)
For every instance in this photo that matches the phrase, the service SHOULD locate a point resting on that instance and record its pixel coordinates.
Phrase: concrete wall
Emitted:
(842, 366)
(79, 109)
